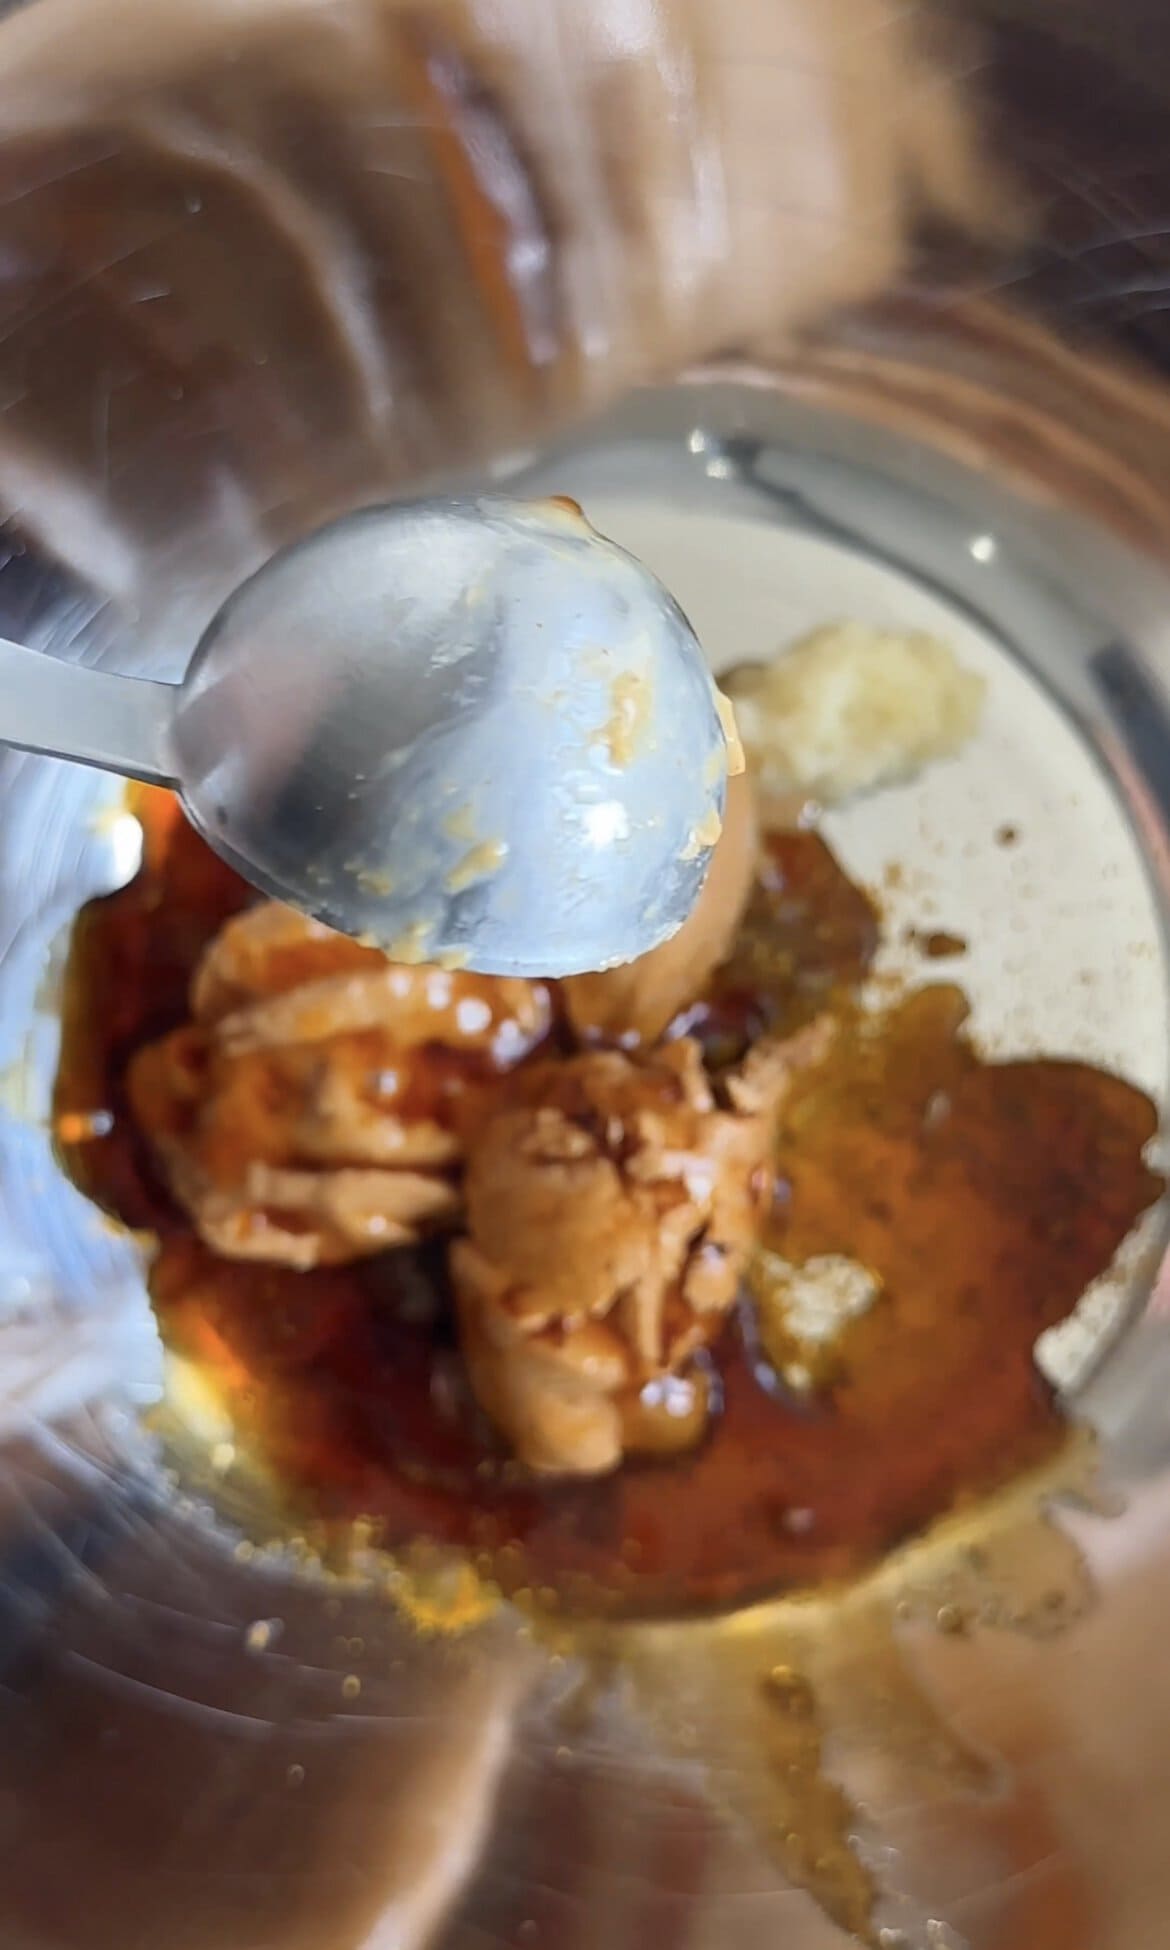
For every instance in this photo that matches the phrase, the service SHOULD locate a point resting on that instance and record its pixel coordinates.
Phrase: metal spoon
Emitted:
(473, 731)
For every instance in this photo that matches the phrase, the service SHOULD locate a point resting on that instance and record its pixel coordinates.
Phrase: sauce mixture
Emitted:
(981, 1198)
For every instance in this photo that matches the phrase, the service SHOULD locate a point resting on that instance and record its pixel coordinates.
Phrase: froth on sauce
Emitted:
(982, 1198)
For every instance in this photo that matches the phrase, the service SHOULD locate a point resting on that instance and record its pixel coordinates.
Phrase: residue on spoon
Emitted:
(703, 836)
(411, 945)
(736, 757)
(477, 863)
(631, 701)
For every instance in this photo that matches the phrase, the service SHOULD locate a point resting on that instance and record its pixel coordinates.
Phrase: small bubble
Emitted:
(351, 1686)
(798, 1521)
(194, 202)
(296, 1774)
(938, 1109)
(950, 1619)
(789, 1690)
(262, 1633)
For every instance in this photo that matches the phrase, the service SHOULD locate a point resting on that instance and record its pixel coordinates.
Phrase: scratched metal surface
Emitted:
(186, 1762)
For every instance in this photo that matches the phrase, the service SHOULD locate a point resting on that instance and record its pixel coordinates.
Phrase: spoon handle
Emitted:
(121, 724)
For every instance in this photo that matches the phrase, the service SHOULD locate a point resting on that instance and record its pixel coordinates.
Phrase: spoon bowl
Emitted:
(472, 731)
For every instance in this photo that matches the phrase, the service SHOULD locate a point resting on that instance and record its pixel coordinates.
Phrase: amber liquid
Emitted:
(982, 1198)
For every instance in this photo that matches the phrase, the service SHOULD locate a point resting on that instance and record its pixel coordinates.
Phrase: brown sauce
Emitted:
(982, 1198)
(937, 944)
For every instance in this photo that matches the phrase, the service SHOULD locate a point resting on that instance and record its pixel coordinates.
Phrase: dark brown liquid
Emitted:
(937, 944)
(982, 1197)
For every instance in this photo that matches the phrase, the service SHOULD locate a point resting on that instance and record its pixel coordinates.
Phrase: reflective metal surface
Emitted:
(454, 727)
(228, 1643)
(200, 1746)
(346, 733)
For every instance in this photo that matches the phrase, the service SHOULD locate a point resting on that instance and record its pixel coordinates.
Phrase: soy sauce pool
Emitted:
(979, 1198)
